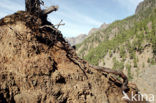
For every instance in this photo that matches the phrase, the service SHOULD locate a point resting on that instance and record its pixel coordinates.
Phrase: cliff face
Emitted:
(145, 6)
(38, 66)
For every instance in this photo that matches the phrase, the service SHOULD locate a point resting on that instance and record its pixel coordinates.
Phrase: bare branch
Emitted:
(48, 26)
(58, 25)
(49, 10)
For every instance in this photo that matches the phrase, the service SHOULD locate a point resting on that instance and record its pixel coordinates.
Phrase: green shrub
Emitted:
(110, 53)
(132, 55)
(135, 62)
(118, 65)
(149, 60)
(153, 62)
(128, 67)
(122, 52)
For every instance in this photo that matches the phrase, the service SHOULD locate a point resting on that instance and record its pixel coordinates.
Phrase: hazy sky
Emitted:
(79, 15)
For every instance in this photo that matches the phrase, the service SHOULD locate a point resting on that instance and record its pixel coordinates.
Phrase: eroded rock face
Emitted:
(35, 67)
(145, 5)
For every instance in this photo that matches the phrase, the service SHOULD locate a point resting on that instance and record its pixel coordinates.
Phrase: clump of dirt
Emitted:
(38, 66)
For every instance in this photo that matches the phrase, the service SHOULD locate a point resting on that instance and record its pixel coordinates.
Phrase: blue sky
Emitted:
(79, 15)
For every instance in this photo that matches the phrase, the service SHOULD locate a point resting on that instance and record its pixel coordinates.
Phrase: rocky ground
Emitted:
(38, 66)
(146, 81)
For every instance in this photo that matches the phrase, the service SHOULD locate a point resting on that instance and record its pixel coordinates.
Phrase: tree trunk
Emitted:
(49, 10)
(33, 6)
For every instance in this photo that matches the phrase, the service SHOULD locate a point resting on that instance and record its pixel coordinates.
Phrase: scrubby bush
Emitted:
(128, 67)
(118, 64)
(122, 52)
(153, 61)
(135, 62)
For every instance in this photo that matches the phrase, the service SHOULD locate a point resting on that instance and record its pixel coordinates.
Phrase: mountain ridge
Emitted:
(80, 38)
(76, 40)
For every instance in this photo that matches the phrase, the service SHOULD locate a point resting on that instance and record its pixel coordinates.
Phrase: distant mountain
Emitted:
(79, 39)
(76, 40)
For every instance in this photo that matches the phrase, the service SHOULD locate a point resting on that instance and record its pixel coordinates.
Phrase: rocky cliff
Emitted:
(145, 6)
(38, 66)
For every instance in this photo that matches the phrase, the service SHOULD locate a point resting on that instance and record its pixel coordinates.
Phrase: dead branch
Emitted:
(34, 7)
(119, 73)
(76, 62)
(48, 26)
(49, 10)
(58, 25)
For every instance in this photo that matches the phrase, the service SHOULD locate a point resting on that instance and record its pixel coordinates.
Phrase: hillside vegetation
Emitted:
(125, 44)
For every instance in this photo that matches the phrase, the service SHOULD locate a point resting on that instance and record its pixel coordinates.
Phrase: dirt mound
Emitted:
(38, 65)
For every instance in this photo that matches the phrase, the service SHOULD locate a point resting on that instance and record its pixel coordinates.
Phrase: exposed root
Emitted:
(49, 10)
(49, 26)
(119, 73)
(77, 63)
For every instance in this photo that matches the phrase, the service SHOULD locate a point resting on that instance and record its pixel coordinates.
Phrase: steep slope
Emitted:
(118, 27)
(128, 45)
(38, 66)
(146, 6)
(129, 35)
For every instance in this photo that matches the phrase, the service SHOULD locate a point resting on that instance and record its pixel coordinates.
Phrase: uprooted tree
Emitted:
(34, 7)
